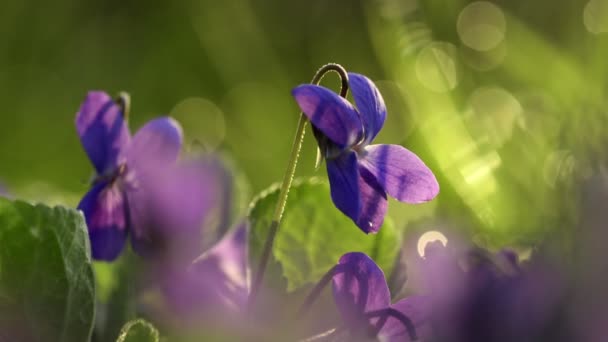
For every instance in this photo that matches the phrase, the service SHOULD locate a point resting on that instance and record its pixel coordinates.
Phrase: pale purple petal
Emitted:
(102, 130)
(167, 209)
(104, 211)
(343, 176)
(228, 259)
(216, 283)
(400, 172)
(417, 309)
(157, 143)
(330, 113)
(369, 103)
(373, 203)
(361, 288)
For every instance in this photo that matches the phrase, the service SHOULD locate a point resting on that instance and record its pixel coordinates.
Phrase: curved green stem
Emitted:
(124, 101)
(288, 178)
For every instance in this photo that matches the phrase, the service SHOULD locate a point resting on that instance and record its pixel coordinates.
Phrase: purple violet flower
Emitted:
(360, 174)
(121, 161)
(364, 302)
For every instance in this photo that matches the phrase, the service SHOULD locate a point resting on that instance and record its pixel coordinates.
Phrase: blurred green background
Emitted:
(505, 100)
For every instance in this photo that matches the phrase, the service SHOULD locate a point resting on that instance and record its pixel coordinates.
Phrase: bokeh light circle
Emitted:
(484, 60)
(498, 111)
(437, 67)
(202, 122)
(481, 25)
(595, 16)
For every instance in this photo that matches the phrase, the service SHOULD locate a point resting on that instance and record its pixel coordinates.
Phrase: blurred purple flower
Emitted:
(364, 302)
(588, 308)
(484, 297)
(111, 206)
(360, 174)
(179, 209)
(170, 208)
(215, 286)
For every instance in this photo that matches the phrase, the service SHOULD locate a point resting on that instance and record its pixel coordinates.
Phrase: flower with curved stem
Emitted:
(361, 174)
(111, 207)
(363, 299)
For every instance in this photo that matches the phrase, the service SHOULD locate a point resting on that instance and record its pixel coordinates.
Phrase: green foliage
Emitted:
(314, 234)
(116, 295)
(47, 290)
(138, 331)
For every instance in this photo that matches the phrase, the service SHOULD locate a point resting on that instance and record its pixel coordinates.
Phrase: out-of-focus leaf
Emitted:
(47, 290)
(138, 331)
(314, 234)
(115, 295)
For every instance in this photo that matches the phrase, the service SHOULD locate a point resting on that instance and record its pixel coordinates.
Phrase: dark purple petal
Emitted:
(157, 143)
(216, 283)
(369, 103)
(330, 113)
(417, 309)
(102, 130)
(361, 288)
(400, 172)
(343, 176)
(104, 211)
(373, 203)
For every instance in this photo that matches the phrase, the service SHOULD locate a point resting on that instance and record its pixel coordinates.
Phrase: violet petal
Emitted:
(155, 144)
(359, 289)
(401, 173)
(216, 283)
(102, 130)
(369, 103)
(104, 211)
(343, 176)
(330, 113)
(373, 203)
(168, 207)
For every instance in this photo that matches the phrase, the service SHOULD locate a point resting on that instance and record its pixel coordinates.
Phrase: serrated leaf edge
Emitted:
(125, 329)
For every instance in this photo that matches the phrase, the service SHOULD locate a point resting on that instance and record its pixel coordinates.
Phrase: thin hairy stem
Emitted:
(287, 180)
(316, 291)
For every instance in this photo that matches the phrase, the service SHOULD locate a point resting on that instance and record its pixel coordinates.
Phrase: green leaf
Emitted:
(314, 234)
(138, 331)
(47, 290)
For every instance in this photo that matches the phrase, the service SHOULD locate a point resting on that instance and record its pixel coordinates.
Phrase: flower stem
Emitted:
(316, 291)
(124, 101)
(288, 178)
